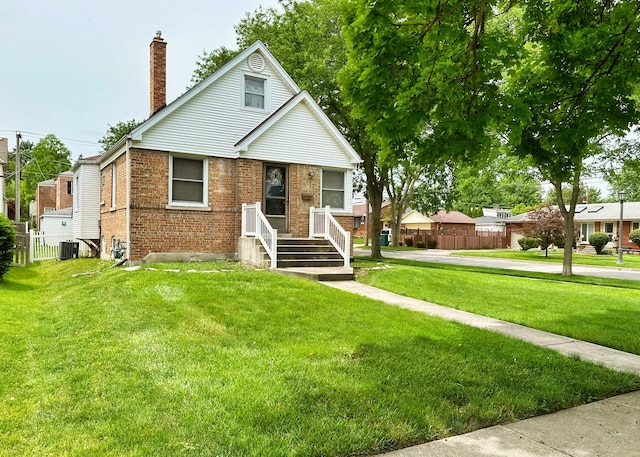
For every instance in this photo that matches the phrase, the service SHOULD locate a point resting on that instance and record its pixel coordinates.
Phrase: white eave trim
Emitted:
(244, 144)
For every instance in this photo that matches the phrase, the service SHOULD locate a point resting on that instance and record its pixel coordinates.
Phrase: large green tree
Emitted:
(622, 170)
(427, 72)
(306, 38)
(48, 159)
(572, 87)
(116, 132)
(501, 180)
(554, 77)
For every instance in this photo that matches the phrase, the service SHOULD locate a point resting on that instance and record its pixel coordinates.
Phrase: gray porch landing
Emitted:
(319, 273)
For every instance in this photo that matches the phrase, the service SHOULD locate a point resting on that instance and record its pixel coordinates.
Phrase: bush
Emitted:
(408, 242)
(420, 244)
(635, 236)
(7, 244)
(527, 242)
(432, 244)
(598, 240)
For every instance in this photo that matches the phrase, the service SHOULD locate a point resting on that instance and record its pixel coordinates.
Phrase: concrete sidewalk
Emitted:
(607, 428)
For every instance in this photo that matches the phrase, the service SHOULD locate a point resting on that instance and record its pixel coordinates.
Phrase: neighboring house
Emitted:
(361, 213)
(53, 194)
(492, 220)
(174, 188)
(57, 222)
(453, 221)
(413, 220)
(590, 218)
(86, 205)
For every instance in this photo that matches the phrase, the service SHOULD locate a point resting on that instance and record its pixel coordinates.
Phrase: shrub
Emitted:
(635, 236)
(420, 244)
(598, 240)
(432, 244)
(7, 244)
(408, 242)
(527, 242)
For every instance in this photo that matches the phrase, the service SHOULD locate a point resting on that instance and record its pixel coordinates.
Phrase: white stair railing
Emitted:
(323, 224)
(254, 223)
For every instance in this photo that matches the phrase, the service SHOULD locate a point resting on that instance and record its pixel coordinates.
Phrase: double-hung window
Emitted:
(254, 92)
(114, 182)
(188, 181)
(333, 189)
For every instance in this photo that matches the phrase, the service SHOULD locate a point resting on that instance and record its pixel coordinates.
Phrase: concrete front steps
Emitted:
(311, 258)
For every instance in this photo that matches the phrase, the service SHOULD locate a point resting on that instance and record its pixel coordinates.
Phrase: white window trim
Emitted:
(180, 204)
(267, 91)
(114, 183)
(344, 190)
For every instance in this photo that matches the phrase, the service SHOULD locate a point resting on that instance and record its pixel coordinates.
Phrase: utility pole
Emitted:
(17, 211)
(4, 161)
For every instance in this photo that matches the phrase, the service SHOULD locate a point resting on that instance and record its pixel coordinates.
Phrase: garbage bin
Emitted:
(384, 239)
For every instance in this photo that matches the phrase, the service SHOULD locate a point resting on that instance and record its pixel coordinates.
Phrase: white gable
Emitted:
(301, 133)
(214, 120)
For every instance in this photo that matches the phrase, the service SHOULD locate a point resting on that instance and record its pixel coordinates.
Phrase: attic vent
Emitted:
(256, 62)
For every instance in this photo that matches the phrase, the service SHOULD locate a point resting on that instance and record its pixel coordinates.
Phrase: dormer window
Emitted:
(254, 92)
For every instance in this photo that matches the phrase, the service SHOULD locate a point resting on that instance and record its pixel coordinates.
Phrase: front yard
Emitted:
(598, 310)
(227, 361)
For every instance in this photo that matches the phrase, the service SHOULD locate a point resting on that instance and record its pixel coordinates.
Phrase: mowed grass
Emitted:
(598, 310)
(226, 361)
(556, 256)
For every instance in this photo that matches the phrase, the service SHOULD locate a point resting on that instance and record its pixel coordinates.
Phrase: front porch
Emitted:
(324, 255)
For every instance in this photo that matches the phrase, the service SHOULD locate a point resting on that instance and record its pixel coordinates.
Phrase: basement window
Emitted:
(188, 181)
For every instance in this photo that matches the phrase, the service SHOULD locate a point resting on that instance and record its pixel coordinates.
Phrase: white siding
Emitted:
(86, 202)
(57, 225)
(299, 137)
(214, 120)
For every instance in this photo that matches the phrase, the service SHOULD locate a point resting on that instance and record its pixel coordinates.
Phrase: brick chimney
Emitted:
(158, 61)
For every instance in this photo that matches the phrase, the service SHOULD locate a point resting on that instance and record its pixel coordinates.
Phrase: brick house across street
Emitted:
(183, 185)
(590, 218)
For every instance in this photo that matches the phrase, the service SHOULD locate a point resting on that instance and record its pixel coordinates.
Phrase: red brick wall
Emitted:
(113, 215)
(157, 228)
(45, 198)
(63, 199)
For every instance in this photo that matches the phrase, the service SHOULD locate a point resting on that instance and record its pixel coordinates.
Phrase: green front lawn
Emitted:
(629, 260)
(581, 307)
(227, 361)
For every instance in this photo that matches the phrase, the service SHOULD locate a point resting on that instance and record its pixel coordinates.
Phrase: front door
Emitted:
(276, 196)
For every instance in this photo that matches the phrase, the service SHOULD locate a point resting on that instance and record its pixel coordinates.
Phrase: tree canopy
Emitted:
(116, 132)
(48, 158)
(550, 79)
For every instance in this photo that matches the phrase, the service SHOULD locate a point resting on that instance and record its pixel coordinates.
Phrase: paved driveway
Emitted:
(438, 256)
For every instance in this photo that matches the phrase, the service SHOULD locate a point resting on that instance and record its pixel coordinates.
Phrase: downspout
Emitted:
(128, 194)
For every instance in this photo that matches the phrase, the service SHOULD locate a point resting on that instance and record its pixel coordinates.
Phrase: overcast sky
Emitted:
(71, 67)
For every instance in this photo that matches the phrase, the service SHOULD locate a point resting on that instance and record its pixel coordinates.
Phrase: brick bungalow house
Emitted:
(174, 188)
(590, 218)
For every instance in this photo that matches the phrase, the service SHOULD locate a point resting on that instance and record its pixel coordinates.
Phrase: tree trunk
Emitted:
(569, 238)
(375, 199)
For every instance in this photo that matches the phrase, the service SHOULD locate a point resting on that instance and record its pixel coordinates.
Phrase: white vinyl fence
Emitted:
(46, 245)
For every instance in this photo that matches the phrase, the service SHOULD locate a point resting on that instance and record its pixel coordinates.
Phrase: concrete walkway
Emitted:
(607, 428)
